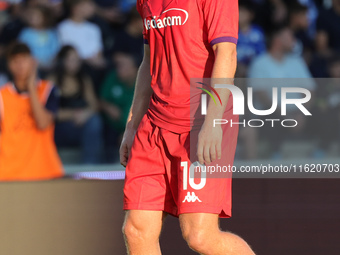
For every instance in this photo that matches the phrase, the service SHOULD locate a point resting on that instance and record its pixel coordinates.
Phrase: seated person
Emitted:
(326, 108)
(328, 30)
(131, 36)
(78, 123)
(83, 35)
(116, 97)
(27, 111)
(280, 63)
(41, 39)
(251, 41)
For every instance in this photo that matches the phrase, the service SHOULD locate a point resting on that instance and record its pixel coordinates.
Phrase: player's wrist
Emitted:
(131, 126)
(213, 115)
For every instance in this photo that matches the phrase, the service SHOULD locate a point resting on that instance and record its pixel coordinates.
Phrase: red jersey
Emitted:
(181, 34)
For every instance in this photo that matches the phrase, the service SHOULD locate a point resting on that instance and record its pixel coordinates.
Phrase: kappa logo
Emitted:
(191, 197)
(175, 17)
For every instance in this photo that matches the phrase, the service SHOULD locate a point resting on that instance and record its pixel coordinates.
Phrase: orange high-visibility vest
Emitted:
(26, 153)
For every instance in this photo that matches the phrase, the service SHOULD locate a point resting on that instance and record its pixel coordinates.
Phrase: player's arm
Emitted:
(210, 137)
(139, 106)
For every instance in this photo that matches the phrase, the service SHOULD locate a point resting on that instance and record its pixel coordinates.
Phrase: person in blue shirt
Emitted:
(281, 64)
(251, 40)
(42, 40)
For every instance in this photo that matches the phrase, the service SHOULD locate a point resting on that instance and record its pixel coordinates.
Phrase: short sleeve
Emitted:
(221, 20)
(52, 103)
(23, 36)
(139, 9)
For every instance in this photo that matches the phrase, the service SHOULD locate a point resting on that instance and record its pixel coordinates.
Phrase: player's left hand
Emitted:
(209, 143)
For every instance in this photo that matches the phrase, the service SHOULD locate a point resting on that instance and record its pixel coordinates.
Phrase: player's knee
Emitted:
(137, 232)
(131, 231)
(196, 240)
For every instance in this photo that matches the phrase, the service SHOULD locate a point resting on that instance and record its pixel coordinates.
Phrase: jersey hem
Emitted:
(178, 211)
(140, 206)
(205, 209)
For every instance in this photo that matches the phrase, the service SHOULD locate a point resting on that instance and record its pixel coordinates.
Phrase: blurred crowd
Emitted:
(284, 40)
(91, 50)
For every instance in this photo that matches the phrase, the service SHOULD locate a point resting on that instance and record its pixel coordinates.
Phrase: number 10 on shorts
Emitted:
(194, 167)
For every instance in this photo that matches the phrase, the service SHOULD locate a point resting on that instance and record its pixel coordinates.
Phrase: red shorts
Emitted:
(157, 175)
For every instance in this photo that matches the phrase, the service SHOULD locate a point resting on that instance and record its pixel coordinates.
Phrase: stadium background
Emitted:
(278, 216)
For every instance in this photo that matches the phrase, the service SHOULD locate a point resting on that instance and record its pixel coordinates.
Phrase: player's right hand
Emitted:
(126, 145)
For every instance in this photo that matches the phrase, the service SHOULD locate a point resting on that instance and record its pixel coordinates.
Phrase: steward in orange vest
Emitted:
(27, 112)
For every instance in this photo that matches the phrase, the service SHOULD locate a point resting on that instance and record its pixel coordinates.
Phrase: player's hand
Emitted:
(125, 147)
(209, 143)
